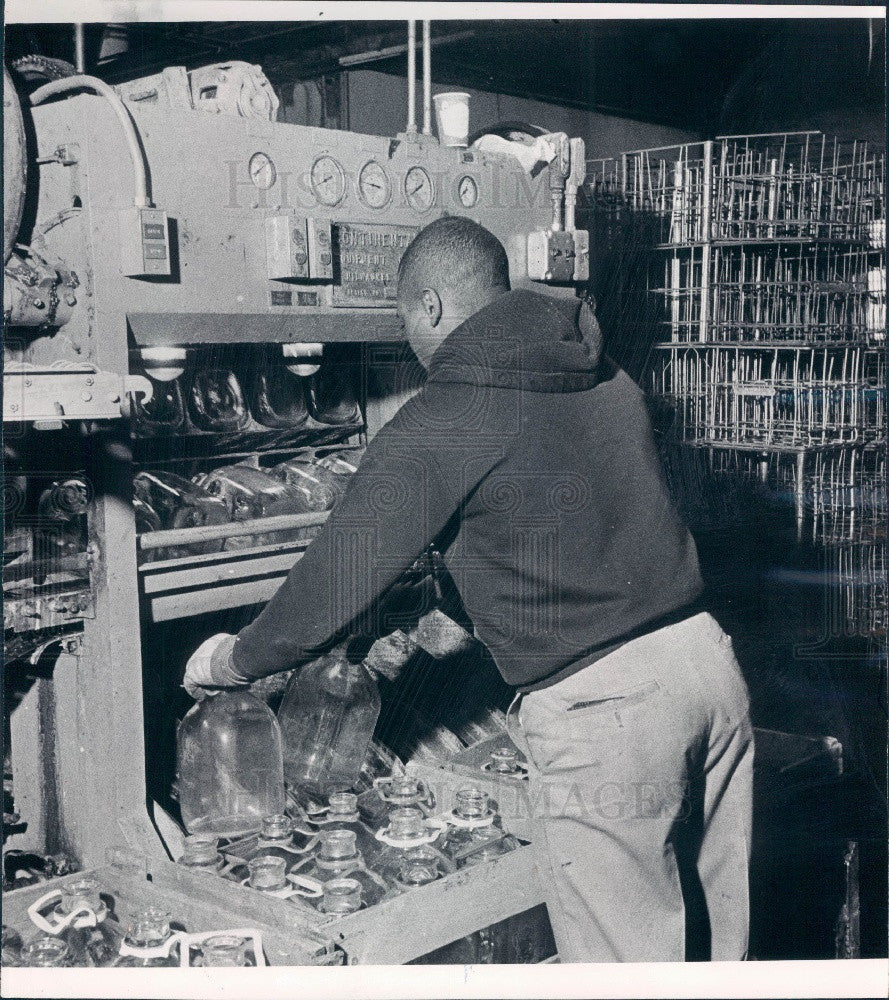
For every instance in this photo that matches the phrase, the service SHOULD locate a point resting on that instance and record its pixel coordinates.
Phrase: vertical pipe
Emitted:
(706, 237)
(800, 493)
(79, 49)
(411, 76)
(427, 78)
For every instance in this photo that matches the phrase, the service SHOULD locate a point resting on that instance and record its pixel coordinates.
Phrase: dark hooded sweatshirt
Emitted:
(528, 458)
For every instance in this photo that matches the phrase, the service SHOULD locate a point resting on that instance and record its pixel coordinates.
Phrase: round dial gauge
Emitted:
(467, 189)
(262, 171)
(373, 185)
(419, 189)
(328, 180)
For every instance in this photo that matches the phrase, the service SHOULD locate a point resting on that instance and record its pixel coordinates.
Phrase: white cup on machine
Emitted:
(452, 118)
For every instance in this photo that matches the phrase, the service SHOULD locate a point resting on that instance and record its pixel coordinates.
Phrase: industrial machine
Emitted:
(193, 288)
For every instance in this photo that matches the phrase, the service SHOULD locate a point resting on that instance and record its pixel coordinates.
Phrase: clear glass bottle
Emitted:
(230, 765)
(267, 873)
(200, 852)
(342, 814)
(148, 931)
(180, 504)
(402, 791)
(338, 857)
(505, 760)
(327, 719)
(12, 948)
(46, 952)
(216, 400)
(343, 463)
(476, 835)
(276, 397)
(224, 950)
(277, 838)
(331, 392)
(163, 414)
(341, 895)
(320, 487)
(471, 809)
(410, 858)
(96, 945)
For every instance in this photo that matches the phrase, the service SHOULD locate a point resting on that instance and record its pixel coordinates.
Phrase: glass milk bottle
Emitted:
(230, 765)
(148, 943)
(327, 719)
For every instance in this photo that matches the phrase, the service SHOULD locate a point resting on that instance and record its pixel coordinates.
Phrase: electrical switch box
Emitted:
(320, 249)
(559, 256)
(287, 247)
(550, 256)
(581, 254)
(144, 243)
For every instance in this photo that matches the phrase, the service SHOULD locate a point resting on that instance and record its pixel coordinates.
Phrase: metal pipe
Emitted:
(41, 94)
(380, 55)
(427, 78)
(411, 76)
(79, 49)
(234, 529)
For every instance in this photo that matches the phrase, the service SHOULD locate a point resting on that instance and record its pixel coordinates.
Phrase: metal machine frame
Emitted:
(231, 203)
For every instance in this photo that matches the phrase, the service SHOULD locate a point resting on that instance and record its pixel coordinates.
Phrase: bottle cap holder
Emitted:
(154, 951)
(303, 885)
(519, 774)
(325, 815)
(462, 823)
(251, 934)
(237, 853)
(423, 794)
(434, 828)
(55, 923)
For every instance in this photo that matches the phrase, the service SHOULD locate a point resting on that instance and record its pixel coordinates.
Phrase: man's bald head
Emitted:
(451, 269)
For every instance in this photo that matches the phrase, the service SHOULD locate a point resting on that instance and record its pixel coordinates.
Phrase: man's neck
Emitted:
(461, 310)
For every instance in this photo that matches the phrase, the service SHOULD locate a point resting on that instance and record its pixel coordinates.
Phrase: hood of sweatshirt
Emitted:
(523, 340)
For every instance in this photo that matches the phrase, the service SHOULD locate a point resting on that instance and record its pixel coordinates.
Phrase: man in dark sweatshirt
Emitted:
(528, 459)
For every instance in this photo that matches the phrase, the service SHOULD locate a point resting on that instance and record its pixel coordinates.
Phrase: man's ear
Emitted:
(431, 305)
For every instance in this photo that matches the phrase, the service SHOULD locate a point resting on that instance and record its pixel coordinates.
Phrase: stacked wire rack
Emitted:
(764, 280)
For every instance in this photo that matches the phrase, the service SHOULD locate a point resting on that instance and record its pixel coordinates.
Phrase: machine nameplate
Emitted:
(368, 256)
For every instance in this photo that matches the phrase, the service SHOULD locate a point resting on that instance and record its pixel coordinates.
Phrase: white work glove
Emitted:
(211, 668)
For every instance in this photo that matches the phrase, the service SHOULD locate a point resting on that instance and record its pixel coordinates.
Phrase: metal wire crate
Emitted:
(857, 591)
(778, 398)
(846, 491)
(772, 293)
(786, 185)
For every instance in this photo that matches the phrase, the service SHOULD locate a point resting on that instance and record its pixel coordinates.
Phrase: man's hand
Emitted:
(211, 667)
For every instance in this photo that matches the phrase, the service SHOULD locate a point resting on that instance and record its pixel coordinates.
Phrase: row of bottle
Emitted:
(78, 926)
(259, 391)
(234, 755)
(240, 492)
(46, 523)
(337, 863)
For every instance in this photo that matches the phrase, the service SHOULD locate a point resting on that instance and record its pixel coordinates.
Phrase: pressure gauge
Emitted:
(467, 189)
(262, 171)
(328, 180)
(419, 189)
(373, 185)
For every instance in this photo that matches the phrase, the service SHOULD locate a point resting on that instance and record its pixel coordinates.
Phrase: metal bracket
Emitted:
(42, 394)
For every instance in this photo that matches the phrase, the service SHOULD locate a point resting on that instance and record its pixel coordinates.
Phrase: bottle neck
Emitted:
(150, 929)
(47, 952)
(224, 951)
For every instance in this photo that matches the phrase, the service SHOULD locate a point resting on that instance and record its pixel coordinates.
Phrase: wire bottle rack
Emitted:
(752, 276)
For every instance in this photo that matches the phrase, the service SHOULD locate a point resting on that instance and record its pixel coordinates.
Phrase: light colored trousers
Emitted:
(641, 795)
